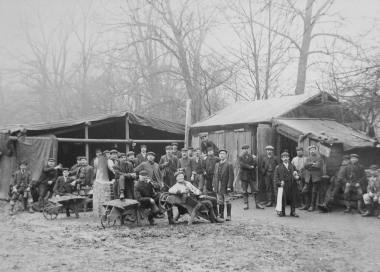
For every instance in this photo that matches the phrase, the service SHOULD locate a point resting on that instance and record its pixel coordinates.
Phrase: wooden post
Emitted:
(87, 145)
(126, 133)
(187, 123)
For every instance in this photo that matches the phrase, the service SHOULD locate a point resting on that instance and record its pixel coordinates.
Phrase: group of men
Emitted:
(208, 170)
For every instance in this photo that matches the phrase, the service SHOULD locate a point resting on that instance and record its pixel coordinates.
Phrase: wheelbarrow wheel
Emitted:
(49, 213)
(162, 201)
(106, 221)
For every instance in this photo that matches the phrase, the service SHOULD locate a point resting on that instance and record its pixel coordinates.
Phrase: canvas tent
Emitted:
(66, 139)
(280, 122)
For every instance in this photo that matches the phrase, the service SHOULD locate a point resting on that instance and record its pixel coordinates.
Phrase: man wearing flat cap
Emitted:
(285, 176)
(336, 187)
(152, 168)
(46, 182)
(20, 187)
(168, 166)
(354, 177)
(268, 164)
(313, 178)
(185, 163)
(142, 157)
(247, 174)
(223, 182)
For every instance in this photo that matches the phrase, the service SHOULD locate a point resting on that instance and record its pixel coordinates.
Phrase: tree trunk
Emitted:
(304, 53)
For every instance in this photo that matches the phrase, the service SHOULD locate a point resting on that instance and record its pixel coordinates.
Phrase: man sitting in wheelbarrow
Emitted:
(146, 194)
(187, 194)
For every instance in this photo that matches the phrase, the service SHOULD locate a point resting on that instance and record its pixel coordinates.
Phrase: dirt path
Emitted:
(256, 240)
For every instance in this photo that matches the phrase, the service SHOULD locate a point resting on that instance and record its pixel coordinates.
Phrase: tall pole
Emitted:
(87, 144)
(187, 122)
(126, 133)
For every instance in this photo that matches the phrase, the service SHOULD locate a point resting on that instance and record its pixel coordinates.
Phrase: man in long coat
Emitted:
(285, 176)
(223, 182)
(168, 166)
(268, 164)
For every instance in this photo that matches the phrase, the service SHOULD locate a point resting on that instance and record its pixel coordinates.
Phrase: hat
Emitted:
(184, 149)
(179, 172)
(143, 173)
(151, 153)
(354, 156)
(245, 147)
(82, 158)
(65, 169)
(210, 147)
(121, 154)
(51, 159)
(113, 151)
(346, 157)
(374, 167)
(269, 147)
(98, 150)
(312, 146)
(143, 145)
(130, 153)
(285, 153)
(23, 162)
(223, 150)
(299, 148)
(168, 147)
(106, 151)
(190, 148)
(176, 144)
(78, 158)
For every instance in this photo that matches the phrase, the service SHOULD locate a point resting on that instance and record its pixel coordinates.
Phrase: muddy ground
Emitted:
(255, 240)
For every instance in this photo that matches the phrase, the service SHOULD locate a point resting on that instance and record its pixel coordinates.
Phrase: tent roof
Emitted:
(135, 119)
(320, 129)
(256, 111)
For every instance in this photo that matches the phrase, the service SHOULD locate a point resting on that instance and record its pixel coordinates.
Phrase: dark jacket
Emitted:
(140, 158)
(223, 177)
(246, 172)
(281, 173)
(20, 179)
(48, 173)
(313, 168)
(61, 187)
(85, 175)
(123, 168)
(354, 173)
(209, 165)
(185, 164)
(152, 168)
(168, 170)
(197, 166)
(268, 165)
(144, 189)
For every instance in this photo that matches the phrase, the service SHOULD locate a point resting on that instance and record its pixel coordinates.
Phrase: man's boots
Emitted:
(307, 203)
(270, 202)
(67, 212)
(229, 206)
(313, 202)
(258, 205)
(360, 207)
(369, 210)
(221, 211)
(194, 213)
(246, 201)
(213, 217)
(348, 206)
(172, 221)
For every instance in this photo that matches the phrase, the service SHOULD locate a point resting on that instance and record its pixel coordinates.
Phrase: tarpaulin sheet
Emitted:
(35, 150)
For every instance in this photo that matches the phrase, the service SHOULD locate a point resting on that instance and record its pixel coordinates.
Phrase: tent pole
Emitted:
(126, 133)
(87, 144)
(187, 123)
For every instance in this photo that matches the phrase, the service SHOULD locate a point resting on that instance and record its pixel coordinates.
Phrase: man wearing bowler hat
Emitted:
(247, 173)
(267, 167)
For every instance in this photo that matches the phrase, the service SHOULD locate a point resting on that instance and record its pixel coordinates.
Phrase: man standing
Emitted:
(223, 182)
(207, 144)
(285, 176)
(125, 176)
(47, 180)
(190, 152)
(142, 157)
(299, 163)
(248, 164)
(197, 166)
(84, 174)
(354, 177)
(267, 167)
(209, 168)
(168, 165)
(152, 169)
(20, 187)
(112, 162)
(176, 152)
(337, 186)
(184, 163)
(313, 177)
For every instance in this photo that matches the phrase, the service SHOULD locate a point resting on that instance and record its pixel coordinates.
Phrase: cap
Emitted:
(121, 154)
(179, 171)
(210, 148)
(51, 159)
(98, 150)
(269, 147)
(285, 153)
(143, 173)
(106, 151)
(190, 148)
(174, 144)
(143, 145)
(223, 150)
(130, 153)
(312, 146)
(78, 158)
(82, 158)
(299, 148)
(374, 167)
(354, 156)
(65, 169)
(346, 157)
(168, 147)
(113, 151)
(151, 153)
(25, 162)
(184, 149)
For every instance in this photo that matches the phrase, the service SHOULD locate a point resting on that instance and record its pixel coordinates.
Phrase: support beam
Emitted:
(87, 144)
(126, 133)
